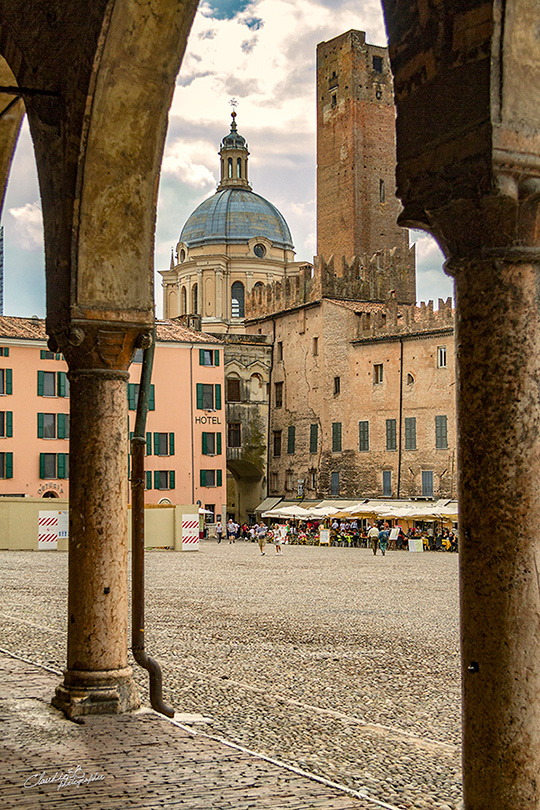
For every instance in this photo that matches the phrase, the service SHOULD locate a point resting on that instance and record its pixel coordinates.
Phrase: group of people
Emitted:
(344, 533)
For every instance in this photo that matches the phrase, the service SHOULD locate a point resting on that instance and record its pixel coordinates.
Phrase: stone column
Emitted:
(97, 679)
(498, 394)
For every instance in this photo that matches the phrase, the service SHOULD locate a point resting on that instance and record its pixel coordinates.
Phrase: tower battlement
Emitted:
(393, 320)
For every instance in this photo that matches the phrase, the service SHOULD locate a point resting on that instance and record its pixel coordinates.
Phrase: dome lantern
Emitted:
(234, 159)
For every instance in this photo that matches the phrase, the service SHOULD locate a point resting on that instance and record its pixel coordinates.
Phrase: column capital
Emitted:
(100, 345)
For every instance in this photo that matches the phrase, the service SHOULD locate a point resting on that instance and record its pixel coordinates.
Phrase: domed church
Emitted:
(232, 242)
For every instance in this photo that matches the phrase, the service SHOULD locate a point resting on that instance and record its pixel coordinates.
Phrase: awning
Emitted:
(268, 504)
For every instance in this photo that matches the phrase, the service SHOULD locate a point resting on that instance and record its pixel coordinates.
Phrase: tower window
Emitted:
(382, 191)
(238, 168)
(229, 167)
(260, 252)
(377, 64)
(337, 385)
(334, 100)
(195, 299)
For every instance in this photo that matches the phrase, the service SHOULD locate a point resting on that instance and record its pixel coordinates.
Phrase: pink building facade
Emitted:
(186, 458)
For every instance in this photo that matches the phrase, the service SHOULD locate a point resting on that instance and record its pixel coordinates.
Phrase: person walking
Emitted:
(231, 531)
(373, 538)
(383, 540)
(219, 531)
(261, 537)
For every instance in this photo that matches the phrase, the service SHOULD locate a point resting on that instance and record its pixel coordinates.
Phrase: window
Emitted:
(237, 300)
(211, 444)
(363, 436)
(260, 252)
(183, 301)
(53, 465)
(391, 434)
(280, 351)
(6, 424)
(163, 444)
(138, 356)
(441, 356)
(410, 379)
(44, 355)
(378, 64)
(277, 442)
(291, 439)
(289, 480)
(233, 390)
(315, 346)
(229, 168)
(410, 433)
(382, 192)
(334, 485)
(52, 384)
(313, 479)
(208, 397)
(46, 425)
(274, 479)
(238, 168)
(234, 435)
(334, 100)
(313, 438)
(336, 437)
(133, 396)
(441, 432)
(378, 373)
(210, 478)
(427, 483)
(195, 299)
(164, 479)
(387, 483)
(6, 465)
(6, 377)
(208, 357)
(337, 385)
(210, 507)
(4, 352)
(278, 388)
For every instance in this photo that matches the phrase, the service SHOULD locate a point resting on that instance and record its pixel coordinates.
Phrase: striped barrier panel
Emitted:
(47, 531)
(190, 532)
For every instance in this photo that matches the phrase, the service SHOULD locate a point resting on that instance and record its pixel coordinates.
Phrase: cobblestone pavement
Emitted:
(336, 661)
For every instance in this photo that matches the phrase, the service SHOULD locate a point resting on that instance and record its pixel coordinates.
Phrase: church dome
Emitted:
(236, 215)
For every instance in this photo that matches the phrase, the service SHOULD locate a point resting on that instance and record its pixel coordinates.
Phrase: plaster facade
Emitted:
(35, 423)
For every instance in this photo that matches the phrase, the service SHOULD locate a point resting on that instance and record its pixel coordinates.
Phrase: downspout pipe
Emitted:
(138, 446)
(400, 416)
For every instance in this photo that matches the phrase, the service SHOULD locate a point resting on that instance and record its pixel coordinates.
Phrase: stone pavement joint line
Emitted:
(139, 760)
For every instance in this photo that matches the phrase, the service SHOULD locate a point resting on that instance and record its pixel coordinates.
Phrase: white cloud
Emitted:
(190, 162)
(28, 226)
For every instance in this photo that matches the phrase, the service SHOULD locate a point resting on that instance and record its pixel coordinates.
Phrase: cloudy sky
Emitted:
(261, 53)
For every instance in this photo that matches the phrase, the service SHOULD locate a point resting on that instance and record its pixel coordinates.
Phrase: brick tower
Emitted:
(356, 157)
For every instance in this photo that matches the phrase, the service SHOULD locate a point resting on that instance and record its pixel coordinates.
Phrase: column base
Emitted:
(103, 692)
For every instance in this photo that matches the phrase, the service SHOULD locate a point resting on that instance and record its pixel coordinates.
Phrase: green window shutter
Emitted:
(203, 478)
(148, 480)
(172, 479)
(156, 479)
(9, 465)
(61, 425)
(61, 465)
(336, 437)
(131, 396)
(9, 381)
(391, 435)
(218, 397)
(291, 439)
(199, 396)
(205, 444)
(61, 383)
(6, 354)
(218, 478)
(171, 444)
(148, 444)
(156, 444)
(218, 444)
(201, 357)
(9, 424)
(42, 354)
(216, 357)
(152, 398)
(58, 356)
(313, 438)
(363, 435)
(129, 467)
(410, 433)
(40, 425)
(42, 465)
(40, 383)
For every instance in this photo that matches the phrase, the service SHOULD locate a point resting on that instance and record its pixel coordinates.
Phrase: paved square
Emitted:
(331, 659)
